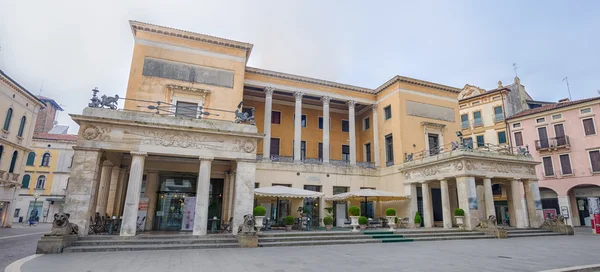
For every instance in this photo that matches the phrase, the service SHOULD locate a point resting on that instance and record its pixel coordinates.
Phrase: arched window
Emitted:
(13, 162)
(8, 118)
(25, 183)
(41, 181)
(31, 158)
(22, 126)
(45, 159)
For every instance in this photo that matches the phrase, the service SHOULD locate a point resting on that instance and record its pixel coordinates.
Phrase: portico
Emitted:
(166, 160)
(465, 177)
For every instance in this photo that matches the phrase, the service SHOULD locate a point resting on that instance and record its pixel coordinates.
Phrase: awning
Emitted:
(365, 194)
(285, 192)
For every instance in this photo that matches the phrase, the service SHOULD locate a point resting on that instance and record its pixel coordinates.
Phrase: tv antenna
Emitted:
(568, 88)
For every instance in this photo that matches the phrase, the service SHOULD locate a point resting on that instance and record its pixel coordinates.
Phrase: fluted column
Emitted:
(375, 127)
(326, 125)
(267, 124)
(112, 192)
(427, 205)
(515, 186)
(132, 197)
(202, 196)
(152, 184)
(298, 126)
(104, 187)
(446, 209)
(352, 131)
(489, 197)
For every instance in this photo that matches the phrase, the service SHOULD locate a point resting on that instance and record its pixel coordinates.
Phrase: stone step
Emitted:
(312, 238)
(514, 231)
(152, 237)
(152, 242)
(517, 235)
(308, 233)
(147, 247)
(318, 243)
(385, 236)
(374, 232)
(443, 234)
(453, 237)
(396, 240)
(423, 230)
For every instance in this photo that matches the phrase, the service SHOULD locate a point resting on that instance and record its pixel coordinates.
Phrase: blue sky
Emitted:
(70, 47)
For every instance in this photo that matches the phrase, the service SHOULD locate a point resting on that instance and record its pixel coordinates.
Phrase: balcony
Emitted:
(478, 122)
(313, 161)
(465, 124)
(498, 118)
(552, 143)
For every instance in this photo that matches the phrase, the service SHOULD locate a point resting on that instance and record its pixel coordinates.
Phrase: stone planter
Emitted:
(354, 223)
(328, 227)
(416, 225)
(460, 221)
(391, 222)
(288, 227)
(363, 227)
(258, 222)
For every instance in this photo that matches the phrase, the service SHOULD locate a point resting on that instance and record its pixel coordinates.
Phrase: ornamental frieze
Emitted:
(178, 139)
(472, 167)
(93, 132)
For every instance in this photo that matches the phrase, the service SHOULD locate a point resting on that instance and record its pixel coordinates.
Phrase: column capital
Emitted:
(488, 177)
(298, 95)
(351, 104)
(107, 163)
(138, 154)
(326, 100)
(374, 107)
(206, 158)
(269, 91)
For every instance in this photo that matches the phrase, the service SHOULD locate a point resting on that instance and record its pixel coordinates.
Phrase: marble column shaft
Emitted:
(120, 195)
(352, 131)
(152, 184)
(446, 208)
(467, 200)
(413, 206)
(375, 127)
(104, 187)
(202, 197)
(112, 192)
(267, 125)
(226, 188)
(244, 192)
(490, 209)
(515, 188)
(534, 204)
(82, 184)
(298, 126)
(231, 196)
(326, 125)
(132, 196)
(427, 205)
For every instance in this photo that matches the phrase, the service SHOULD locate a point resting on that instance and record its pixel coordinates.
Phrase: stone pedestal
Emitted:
(132, 196)
(52, 244)
(248, 240)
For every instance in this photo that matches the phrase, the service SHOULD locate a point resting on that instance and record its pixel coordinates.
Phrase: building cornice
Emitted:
(551, 111)
(418, 83)
(168, 31)
(14, 85)
(303, 79)
(34, 139)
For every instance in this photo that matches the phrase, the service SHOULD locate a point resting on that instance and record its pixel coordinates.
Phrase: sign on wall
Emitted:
(187, 72)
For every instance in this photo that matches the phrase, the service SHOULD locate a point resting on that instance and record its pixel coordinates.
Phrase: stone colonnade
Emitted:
(479, 206)
(298, 128)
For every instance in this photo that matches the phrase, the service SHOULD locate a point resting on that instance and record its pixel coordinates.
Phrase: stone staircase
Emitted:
(514, 233)
(104, 243)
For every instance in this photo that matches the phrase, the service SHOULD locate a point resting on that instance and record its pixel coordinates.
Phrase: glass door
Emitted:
(170, 211)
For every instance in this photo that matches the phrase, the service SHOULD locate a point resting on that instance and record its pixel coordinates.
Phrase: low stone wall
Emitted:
(54, 244)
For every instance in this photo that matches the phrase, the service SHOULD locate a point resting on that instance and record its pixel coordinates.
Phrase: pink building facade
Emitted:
(564, 137)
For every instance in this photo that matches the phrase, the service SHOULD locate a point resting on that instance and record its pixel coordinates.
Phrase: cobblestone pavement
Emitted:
(515, 254)
(18, 242)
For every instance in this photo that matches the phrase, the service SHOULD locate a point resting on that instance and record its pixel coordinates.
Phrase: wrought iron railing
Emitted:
(498, 117)
(551, 143)
(465, 124)
(312, 160)
(486, 147)
(389, 163)
(478, 122)
(340, 162)
(278, 158)
(366, 164)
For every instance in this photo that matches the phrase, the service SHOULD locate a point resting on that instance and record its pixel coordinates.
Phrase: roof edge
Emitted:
(18, 86)
(415, 81)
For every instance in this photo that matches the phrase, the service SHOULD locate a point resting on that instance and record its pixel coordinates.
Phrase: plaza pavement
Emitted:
(19, 241)
(514, 254)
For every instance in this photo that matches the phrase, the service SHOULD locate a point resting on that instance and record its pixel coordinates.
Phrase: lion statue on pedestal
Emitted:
(62, 226)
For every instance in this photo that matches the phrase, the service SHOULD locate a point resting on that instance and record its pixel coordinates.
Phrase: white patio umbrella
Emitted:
(366, 194)
(285, 192)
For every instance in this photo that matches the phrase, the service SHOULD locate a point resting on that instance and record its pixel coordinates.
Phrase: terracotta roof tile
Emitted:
(552, 107)
(58, 137)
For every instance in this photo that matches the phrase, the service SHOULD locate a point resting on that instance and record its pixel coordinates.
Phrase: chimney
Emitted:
(563, 100)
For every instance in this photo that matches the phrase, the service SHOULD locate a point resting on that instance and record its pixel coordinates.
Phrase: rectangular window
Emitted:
(516, 125)
(186, 109)
(480, 141)
(387, 112)
(339, 190)
(548, 168)
(320, 122)
(389, 150)
(477, 118)
(565, 164)
(345, 152)
(368, 152)
(498, 114)
(588, 126)
(345, 126)
(17, 211)
(556, 116)
(502, 137)
(320, 150)
(366, 123)
(302, 120)
(540, 120)
(275, 146)
(464, 120)
(275, 117)
(586, 110)
(595, 160)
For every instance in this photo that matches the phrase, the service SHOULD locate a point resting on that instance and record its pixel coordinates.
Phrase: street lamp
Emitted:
(36, 195)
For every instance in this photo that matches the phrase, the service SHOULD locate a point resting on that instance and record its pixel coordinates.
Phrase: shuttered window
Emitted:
(565, 164)
(275, 117)
(518, 139)
(595, 160)
(548, 168)
(588, 126)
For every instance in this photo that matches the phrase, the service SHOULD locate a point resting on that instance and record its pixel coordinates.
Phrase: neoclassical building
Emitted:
(176, 160)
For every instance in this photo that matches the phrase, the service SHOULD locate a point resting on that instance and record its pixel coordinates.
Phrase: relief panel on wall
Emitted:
(429, 111)
(187, 72)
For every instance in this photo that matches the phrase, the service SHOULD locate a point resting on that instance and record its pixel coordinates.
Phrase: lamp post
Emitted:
(36, 195)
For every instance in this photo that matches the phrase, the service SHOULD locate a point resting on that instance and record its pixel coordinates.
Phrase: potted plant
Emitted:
(288, 221)
(363, 221)
(390, 213)
(459, 215)
(259, 215)
(328, 221)
(417, 220)
(354, 212)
